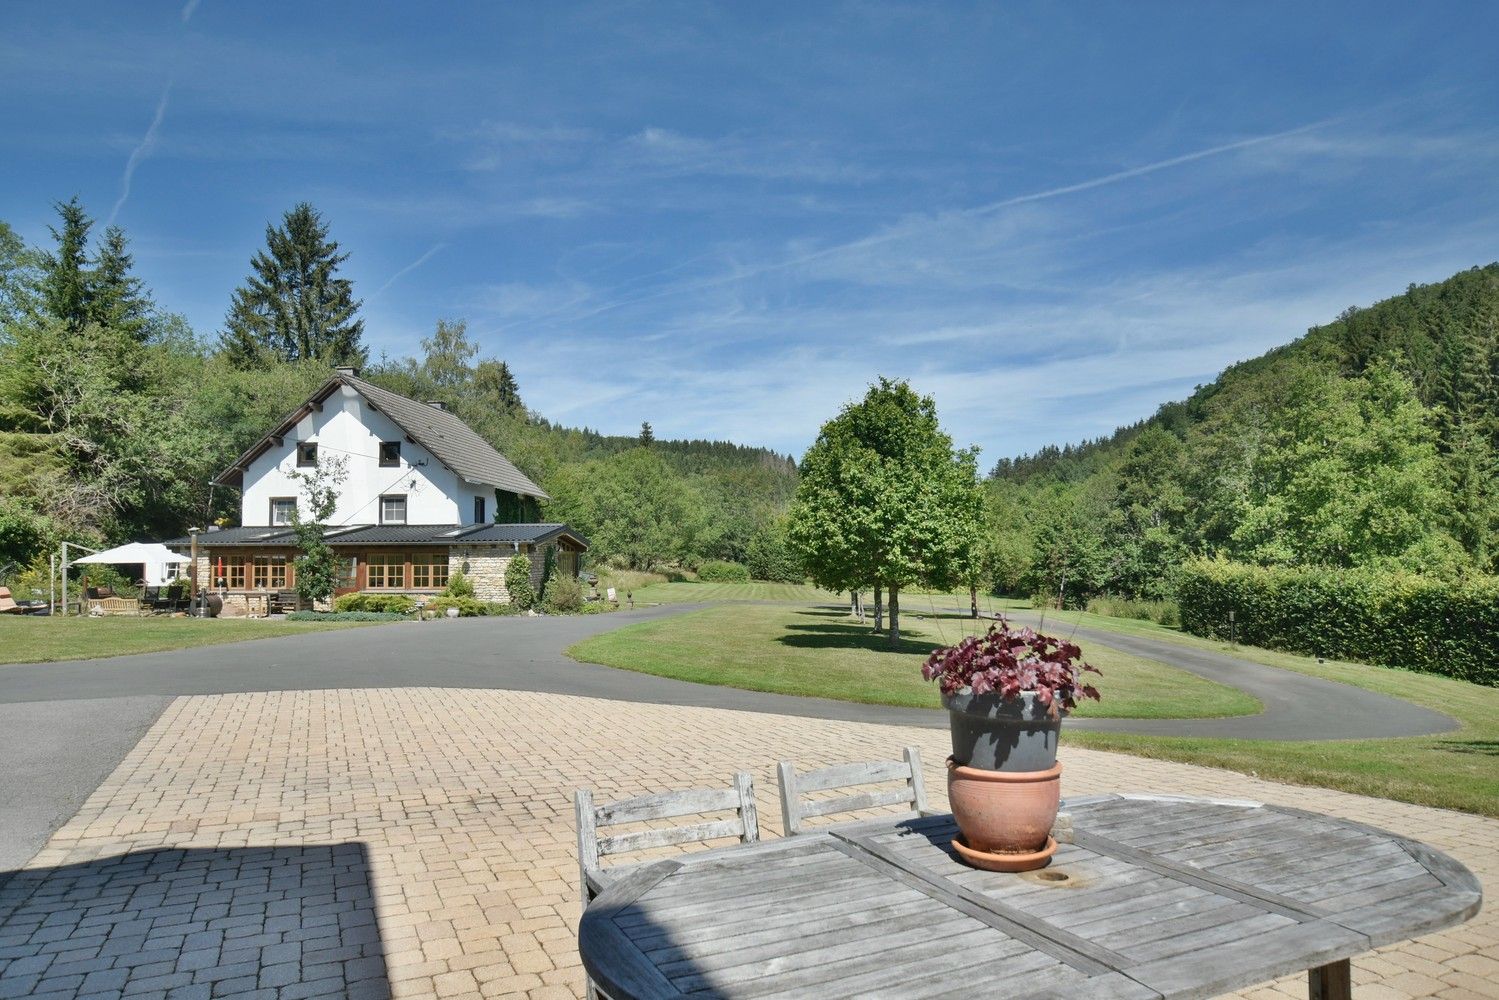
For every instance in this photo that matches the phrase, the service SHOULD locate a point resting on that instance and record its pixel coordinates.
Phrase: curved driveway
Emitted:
(65, 726)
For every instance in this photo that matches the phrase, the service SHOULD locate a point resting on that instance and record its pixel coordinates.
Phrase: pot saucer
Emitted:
(1005, 862)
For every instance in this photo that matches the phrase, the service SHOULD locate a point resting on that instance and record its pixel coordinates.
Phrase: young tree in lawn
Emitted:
(318, 567)
(294, 306)
(885, 499)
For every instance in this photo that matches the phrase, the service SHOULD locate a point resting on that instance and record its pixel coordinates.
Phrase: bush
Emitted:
(344, 616)
(1160, 612)
(1374, 616)
(467, 606)
(562, 596)
(459, 586)
(518, 583)
(769, 557)
(397, 604)
(721, 571)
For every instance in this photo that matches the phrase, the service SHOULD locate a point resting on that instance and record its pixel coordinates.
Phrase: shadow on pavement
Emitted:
(222, 922)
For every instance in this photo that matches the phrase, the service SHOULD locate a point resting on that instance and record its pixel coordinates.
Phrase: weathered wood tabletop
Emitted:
(1157, 897)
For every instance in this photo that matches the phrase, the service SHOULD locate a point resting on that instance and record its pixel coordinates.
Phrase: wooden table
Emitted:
(1156, 897)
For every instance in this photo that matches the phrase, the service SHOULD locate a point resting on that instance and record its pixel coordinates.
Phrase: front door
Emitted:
(350, 576)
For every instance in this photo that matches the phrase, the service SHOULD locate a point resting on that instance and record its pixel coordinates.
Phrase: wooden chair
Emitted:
(592, 877)
(795, 809)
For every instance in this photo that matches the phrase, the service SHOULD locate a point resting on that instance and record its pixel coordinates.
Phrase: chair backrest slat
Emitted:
(853, 803)
(795, 809)
(667, 805)
(592, 848)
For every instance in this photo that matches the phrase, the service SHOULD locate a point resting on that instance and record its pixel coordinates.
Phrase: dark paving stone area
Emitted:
(283, 923)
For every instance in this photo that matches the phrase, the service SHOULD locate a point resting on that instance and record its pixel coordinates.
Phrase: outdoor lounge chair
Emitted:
(794, 808)
(592, 877)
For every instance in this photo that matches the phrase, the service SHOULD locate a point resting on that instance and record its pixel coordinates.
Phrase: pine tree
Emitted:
(65, 274)
(294, 307)
(647, 435)
(117, 298)
(493, 382)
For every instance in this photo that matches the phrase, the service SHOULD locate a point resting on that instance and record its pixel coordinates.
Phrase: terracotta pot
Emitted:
(1004, 812)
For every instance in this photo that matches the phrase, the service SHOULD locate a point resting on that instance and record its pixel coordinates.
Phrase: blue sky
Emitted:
(728, 219)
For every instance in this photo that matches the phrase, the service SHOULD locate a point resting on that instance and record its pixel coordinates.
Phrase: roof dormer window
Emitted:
(306, 454)
(390, 453)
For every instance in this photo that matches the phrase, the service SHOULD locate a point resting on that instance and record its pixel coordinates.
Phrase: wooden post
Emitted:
(1330, 982)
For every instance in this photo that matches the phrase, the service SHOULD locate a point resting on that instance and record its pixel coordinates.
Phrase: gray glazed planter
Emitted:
(996, 735)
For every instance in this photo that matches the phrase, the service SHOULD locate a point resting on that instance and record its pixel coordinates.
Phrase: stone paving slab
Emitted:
(419, 842)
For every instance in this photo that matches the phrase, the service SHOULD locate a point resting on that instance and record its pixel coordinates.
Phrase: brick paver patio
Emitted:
(418, 842)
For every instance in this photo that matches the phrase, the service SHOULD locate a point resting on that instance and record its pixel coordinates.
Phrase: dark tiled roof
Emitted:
(392, 534)
(452, 441)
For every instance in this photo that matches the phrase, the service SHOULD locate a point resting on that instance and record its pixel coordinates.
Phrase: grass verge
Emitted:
(820, 653)
(45, 640)
(692, 592)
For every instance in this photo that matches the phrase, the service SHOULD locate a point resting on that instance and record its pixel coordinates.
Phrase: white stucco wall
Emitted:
(350, 428)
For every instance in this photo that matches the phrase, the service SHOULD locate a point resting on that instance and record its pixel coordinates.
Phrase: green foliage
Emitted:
(344, 616)
(563, 595)
(885, 500)
(459, 586)
(1372, 615)
(518, 582)
(394, 604)
(1161, 612)
(632, 507)
(468, 607)
(722, 571)
(318, 567)
(647, 435)
(293, 306)
(769, 556)
(65, 279)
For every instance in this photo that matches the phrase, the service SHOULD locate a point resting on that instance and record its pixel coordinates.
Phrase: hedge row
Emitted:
(1373, 616)
(722, 571)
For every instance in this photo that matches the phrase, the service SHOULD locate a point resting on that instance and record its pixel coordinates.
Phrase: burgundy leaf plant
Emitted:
(1010, 660)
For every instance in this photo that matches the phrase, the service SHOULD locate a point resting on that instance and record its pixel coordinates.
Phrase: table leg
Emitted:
(1330, 982)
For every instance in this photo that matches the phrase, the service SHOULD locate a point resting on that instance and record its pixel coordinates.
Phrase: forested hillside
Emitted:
(115, 414)
(1370, 442)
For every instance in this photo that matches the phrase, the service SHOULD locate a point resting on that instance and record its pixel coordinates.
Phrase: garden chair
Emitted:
(795, 809)
(592, 848)
(285, 600)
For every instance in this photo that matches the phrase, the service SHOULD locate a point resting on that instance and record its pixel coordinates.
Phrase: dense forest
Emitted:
(115, 413)
(1368, 443)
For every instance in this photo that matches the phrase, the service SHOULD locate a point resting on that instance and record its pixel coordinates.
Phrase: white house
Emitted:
(421, 500)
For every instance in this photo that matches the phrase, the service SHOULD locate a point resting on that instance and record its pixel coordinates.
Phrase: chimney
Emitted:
(437, 404)
(348, 370)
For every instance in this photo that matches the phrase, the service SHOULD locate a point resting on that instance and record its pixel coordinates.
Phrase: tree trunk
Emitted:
(854, 610)
(879, 610)
(894, 614)
(973, 600)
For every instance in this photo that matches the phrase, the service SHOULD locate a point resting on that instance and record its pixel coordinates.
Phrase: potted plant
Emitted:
(1006, 693)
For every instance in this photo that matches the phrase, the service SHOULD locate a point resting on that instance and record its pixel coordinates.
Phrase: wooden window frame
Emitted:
(237, 569)
(386, 463)
(302, 461)
(273, 502)
(431, 565)
(405, 508)
(383, 562)
(480, 511)
(277, 576)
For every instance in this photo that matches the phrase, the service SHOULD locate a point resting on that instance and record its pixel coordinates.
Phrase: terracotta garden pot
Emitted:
(1005, 812)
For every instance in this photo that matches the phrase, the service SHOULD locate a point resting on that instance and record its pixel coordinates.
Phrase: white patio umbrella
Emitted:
(135, 552)
(152, 557)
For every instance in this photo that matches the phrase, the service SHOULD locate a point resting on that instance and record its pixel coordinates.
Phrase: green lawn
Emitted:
(40, 640)
(692, 592)
(1457, 770)
(821, 653)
